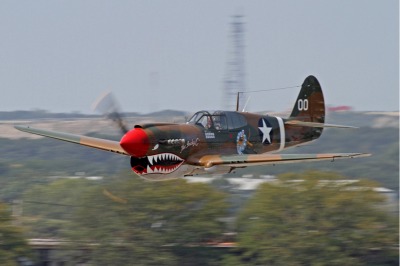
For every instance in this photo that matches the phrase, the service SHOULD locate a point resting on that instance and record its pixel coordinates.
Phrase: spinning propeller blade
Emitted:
(108, 106)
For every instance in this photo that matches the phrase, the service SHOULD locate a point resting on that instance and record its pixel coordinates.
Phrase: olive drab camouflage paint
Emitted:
(218, 142)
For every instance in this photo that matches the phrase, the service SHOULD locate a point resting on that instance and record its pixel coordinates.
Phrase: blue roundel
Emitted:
(265, 131)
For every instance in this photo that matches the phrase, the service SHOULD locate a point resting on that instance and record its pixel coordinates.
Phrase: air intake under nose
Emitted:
(135, 142)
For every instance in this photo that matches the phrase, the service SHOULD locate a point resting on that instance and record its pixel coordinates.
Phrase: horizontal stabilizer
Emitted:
(266, 158)
(102, 144)
(313, 124)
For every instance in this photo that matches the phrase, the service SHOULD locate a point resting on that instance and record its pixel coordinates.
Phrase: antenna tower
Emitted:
(235, 74)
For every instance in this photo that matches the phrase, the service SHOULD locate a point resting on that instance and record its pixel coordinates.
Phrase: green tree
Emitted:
(133, 222)
(13, 246)
(49, 208)
(312, 219)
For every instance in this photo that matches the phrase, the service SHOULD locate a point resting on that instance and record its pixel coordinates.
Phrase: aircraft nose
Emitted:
(135, 142)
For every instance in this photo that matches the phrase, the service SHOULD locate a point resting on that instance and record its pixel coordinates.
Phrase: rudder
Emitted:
(310, 105)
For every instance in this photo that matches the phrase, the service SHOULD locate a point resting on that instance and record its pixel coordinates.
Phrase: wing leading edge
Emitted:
(261, 159)
(102, 144)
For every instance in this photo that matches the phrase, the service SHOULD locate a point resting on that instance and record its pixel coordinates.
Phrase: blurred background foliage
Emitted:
(314, 223)
(108, 216)
(13, 245)
(294, 220)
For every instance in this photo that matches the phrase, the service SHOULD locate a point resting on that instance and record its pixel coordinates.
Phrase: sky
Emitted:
(154, 55)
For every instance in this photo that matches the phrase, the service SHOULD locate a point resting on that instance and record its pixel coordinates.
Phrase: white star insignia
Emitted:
(265, 130)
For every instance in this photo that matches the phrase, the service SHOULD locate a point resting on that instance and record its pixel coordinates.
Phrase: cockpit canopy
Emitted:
(219, 120)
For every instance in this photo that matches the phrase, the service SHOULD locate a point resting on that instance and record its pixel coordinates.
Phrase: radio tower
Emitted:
(235, 74)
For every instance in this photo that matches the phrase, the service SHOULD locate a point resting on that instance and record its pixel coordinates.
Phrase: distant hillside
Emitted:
(79, 123)
(42, 114)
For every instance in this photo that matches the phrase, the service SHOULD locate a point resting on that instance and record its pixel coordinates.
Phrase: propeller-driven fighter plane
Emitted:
(217, 142)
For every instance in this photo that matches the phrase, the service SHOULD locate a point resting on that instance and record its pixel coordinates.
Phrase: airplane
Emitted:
(217, 142)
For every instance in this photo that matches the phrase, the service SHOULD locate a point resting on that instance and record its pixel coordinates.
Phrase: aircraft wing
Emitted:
(267, 158)
(102, 144)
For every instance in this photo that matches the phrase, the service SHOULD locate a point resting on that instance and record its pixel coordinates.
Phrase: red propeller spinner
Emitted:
(135, 142)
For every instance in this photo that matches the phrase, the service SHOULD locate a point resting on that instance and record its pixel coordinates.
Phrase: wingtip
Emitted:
(350, 155)
(19, 127)
(366, 154)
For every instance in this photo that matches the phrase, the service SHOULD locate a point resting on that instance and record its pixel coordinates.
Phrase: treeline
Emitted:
(122, 220)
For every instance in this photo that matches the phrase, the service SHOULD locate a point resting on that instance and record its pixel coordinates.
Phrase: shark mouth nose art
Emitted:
(163, 163)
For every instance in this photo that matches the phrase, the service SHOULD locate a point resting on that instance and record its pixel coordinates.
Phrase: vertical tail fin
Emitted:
(310, 105)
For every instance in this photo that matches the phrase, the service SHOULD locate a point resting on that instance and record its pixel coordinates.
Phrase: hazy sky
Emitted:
(61, 55)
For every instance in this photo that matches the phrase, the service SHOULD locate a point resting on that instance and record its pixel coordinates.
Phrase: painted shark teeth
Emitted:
(163, 163)
(154, 159)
